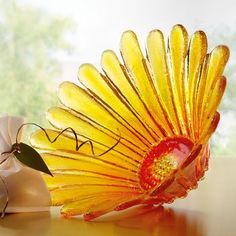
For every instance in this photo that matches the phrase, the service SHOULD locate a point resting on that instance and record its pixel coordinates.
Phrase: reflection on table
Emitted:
(210, 210)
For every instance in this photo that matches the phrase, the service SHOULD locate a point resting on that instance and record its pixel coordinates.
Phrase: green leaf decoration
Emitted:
(30, 157)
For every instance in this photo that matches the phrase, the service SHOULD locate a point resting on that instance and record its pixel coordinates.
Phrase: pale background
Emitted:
(97, 25)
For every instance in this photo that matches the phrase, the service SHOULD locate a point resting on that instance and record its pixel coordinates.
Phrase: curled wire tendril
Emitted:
(15, 148)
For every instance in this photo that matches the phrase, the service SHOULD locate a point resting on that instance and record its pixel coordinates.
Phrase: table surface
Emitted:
(209, 210)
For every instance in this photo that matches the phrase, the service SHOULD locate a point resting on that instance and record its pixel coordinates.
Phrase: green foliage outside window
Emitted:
(29, 42)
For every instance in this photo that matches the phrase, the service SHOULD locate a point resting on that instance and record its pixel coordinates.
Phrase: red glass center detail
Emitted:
(162, 159)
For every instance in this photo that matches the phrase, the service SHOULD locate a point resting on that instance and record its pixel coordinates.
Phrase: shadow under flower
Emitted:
(139, 221)
(159, 220)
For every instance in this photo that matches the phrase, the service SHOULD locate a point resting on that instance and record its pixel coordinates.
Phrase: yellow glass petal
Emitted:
(117, 75)
(100, 204)
(136, 65)
(200, 94)
(197, 53)
(95, 82)
(62, 119)
(83, 177)
(65, 195)
(78, 99)
(158, 61)
(217, 61)
(178, 46)
(214, 98)
(210, 128)
(64, 162)
(67, 143)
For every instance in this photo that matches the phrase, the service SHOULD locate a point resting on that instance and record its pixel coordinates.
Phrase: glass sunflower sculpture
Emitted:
(162, 107)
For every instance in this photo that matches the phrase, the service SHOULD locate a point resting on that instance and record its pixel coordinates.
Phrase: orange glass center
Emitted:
(162, 160)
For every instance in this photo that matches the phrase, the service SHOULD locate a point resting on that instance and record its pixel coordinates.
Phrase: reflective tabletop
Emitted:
(209, 210)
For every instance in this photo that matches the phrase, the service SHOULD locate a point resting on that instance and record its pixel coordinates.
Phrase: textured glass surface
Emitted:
(164, 108)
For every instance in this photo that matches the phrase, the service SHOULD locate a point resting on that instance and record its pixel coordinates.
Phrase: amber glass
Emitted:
(162, 106)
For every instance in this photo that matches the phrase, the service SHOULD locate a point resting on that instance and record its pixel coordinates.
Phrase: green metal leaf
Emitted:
(30, 157)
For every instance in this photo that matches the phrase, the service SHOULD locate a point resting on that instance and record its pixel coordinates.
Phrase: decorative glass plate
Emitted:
(162, 107)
